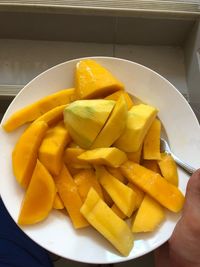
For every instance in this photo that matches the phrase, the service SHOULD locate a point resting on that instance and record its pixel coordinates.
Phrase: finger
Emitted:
(161, 256)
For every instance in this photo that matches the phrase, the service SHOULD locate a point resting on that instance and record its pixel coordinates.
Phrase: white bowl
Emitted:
(56, 233)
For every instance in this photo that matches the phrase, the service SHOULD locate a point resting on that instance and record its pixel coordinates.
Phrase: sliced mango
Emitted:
(117, 174)
(39, 197)
(58, 204)
(139, 120)
(113, 127)
(35, 110)
(110, 156)
(52, 148)
(152, 165)
(149, 216)
(69, 194)
(93, 80)
(155, 185)
(168, 168)
(122, 195)
(135, 156)
(115, 96)
(151, 145)
(24, 155)
(71, 158)
(84, 119)
(105, 221)
(139, 194)
(118, 212)
(85, 179)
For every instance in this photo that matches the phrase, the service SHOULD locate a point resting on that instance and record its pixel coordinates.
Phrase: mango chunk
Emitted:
(135, 156)
(85, 179)
(115, 96)
(39, 197)
(113, 127)
(118, 212)
(84, 119)
(69, 194)
(117, 174)
(35, 110)
(110, 156)
(105, 221)
(139, 194)
(155, 185)
(151, 146)
(52, 148)
(24, 155)
(149, 216)
(53, 116)
(122, 195)
(93, 80)
(58, 204)
(139, 120)
(152, 165)
(71, 158)
(168, 169)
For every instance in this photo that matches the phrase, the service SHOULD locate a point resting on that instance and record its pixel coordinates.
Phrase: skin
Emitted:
(183, 248)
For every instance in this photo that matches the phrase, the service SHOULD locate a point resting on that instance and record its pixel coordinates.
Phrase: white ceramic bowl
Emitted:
(56, 233)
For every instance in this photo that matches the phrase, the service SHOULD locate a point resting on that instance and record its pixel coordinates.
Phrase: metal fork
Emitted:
(164, 147)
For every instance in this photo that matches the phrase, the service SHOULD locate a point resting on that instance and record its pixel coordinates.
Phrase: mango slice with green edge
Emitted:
(149, 216)
(122, 195)
(155, 185)
(114, 126)
(109, 156)
(85, 179)
(84, 119)
(151, 145)
(25, 152)
(39, 197)
(168, 168)
(38, 108)
(115, 96)
(70, 197)
(106, 222)
(52, 148)
(139, 120)
(93, 80)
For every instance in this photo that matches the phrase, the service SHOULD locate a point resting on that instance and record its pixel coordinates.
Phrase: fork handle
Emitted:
(184, 165)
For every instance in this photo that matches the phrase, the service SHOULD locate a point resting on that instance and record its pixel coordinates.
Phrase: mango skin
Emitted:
(155, 185)
(92, 80)
(84, 119)
(24, 155)
(139, 120)
(105, 221)
(37, 109)
(39, 197)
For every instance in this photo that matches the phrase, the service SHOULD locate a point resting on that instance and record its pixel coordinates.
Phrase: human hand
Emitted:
(183, 248)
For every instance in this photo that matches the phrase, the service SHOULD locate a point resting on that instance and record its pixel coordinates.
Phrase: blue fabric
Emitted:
(17, 249)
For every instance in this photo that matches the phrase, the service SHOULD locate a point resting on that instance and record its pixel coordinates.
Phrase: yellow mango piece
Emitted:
(70, 158)
(117, 174)
(108, 200)
(168, 169)
(105, 221)
(93, 80)
(139, 194)
(139, 120)
(58, 204)
(151, 145)
(84, 119)
(118, 212)
(122, 195)
(155, 185)
(86, 179)
(113, 127)
(35, 110)
(109, 156)
(24, 155)
(115, 96)
(152, 165)
(149, 216)
(53, 116)
(69, 194)
(135, 156)
(39, 197)
(52, 148)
